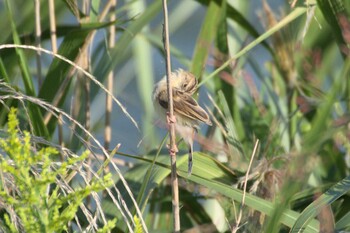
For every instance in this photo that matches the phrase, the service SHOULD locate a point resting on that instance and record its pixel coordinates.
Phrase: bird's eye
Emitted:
(185, 85)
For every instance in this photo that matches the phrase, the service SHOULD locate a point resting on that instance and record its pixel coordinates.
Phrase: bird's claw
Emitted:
(172, 151)
(170, 119)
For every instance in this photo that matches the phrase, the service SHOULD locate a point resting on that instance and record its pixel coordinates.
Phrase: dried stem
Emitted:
(111, 44)
(53, 38)
(65, 83)
(236, 226)
(53, 35)
(84, 62)
(173, 148)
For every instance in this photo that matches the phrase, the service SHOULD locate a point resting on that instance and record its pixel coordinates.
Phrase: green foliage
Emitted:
(138, 226)
(282, 78)
(107, 227)
(30, 188)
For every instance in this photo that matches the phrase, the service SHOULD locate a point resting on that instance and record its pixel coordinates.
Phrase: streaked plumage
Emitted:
(186, 109)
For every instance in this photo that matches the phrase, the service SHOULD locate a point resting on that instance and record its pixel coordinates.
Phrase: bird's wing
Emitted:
(188, 107)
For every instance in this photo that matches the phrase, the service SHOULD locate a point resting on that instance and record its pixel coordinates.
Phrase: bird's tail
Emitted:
(190, 159)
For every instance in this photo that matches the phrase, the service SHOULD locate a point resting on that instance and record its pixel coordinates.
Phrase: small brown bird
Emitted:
(187, 112)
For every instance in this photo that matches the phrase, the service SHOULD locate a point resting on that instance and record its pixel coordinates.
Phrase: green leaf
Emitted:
(236, 16)
(344, 223)
(215, 176)
(73, 7)
(27, 79)
(325, 199)
(3, 110)
(332, 11)
(148, 183)
(116, 55)
(285, 21)
(321, 122)
(235, 132)
(203, 165)
(34, 111)
(58, 71)
(144, 74)
(205, 39)
(223, 186)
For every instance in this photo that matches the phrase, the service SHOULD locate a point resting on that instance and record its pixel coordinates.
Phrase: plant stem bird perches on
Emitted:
(173, 148)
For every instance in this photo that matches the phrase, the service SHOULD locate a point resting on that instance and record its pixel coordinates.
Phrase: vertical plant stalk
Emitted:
(236, 226)
(38, 53)
(53, 38)
(85, 64)
(53, 35)
(173, 148)
(89, 39)
(37, 39)
(109, 104)
(111, 44)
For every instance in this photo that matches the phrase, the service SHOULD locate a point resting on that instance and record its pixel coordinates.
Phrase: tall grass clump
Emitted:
(35, 195)
(274, 76)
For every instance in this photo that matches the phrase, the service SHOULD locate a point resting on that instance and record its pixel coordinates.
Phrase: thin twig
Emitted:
(173, 148)
(236, 226)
